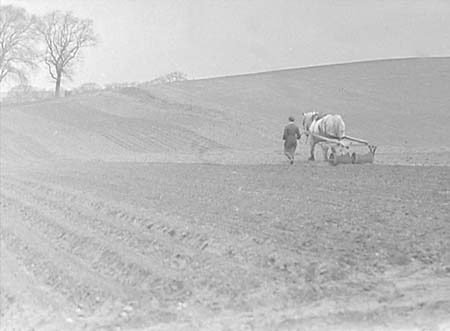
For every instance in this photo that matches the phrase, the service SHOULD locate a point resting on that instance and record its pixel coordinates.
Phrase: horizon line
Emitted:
(275, 70)
(323, 65)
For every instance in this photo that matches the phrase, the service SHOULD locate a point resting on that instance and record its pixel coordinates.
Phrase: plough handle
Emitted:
(325, 139)
(365, 142)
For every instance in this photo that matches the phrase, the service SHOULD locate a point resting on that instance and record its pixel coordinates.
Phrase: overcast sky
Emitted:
(143, 39)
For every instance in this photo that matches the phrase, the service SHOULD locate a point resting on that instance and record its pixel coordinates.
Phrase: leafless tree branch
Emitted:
(64, 36)
(18, 51)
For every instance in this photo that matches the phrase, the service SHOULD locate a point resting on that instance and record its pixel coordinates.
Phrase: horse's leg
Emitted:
(325, 151)
(313, 144)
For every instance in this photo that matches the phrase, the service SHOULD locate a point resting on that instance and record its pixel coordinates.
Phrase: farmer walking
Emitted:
(290, 136)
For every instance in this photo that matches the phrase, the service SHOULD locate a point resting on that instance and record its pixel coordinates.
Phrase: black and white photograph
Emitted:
(225, 165)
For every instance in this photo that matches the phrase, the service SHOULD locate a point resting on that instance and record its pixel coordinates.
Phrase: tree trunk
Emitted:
(58, 84)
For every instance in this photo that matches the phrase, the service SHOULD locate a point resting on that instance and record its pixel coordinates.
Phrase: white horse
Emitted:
(323, 128)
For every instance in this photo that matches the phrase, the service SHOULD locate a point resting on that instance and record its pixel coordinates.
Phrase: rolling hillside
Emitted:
(201, 224)
(400, 105)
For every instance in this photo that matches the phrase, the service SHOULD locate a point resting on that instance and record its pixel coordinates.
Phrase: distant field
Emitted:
(173, 208)
(400, 105)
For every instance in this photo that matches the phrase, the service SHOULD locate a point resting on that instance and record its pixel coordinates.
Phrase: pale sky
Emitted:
(143, 39)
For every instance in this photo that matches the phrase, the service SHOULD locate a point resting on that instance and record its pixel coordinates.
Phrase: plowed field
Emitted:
(223, 247)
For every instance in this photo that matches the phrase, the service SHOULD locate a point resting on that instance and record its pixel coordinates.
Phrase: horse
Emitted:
(323, 128)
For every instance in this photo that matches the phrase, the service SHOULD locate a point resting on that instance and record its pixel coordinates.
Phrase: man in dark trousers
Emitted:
(290, 136)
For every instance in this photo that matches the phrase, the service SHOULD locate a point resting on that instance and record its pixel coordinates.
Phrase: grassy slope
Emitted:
(392, 103)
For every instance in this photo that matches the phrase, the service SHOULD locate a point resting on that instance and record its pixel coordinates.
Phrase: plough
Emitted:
(341, 153)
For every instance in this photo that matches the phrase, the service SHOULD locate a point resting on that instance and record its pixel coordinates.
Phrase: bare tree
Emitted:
(18, 51)
(64, 36)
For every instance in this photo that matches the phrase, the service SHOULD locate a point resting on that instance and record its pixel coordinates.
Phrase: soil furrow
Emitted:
(106, 255)
(67, 274)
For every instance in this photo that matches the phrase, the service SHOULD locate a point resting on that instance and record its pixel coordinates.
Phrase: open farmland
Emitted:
(172, 208)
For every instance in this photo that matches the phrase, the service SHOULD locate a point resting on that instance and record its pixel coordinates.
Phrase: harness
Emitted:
(316, 118)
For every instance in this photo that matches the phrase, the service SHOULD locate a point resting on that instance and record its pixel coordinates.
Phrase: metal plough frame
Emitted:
(340, 153)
